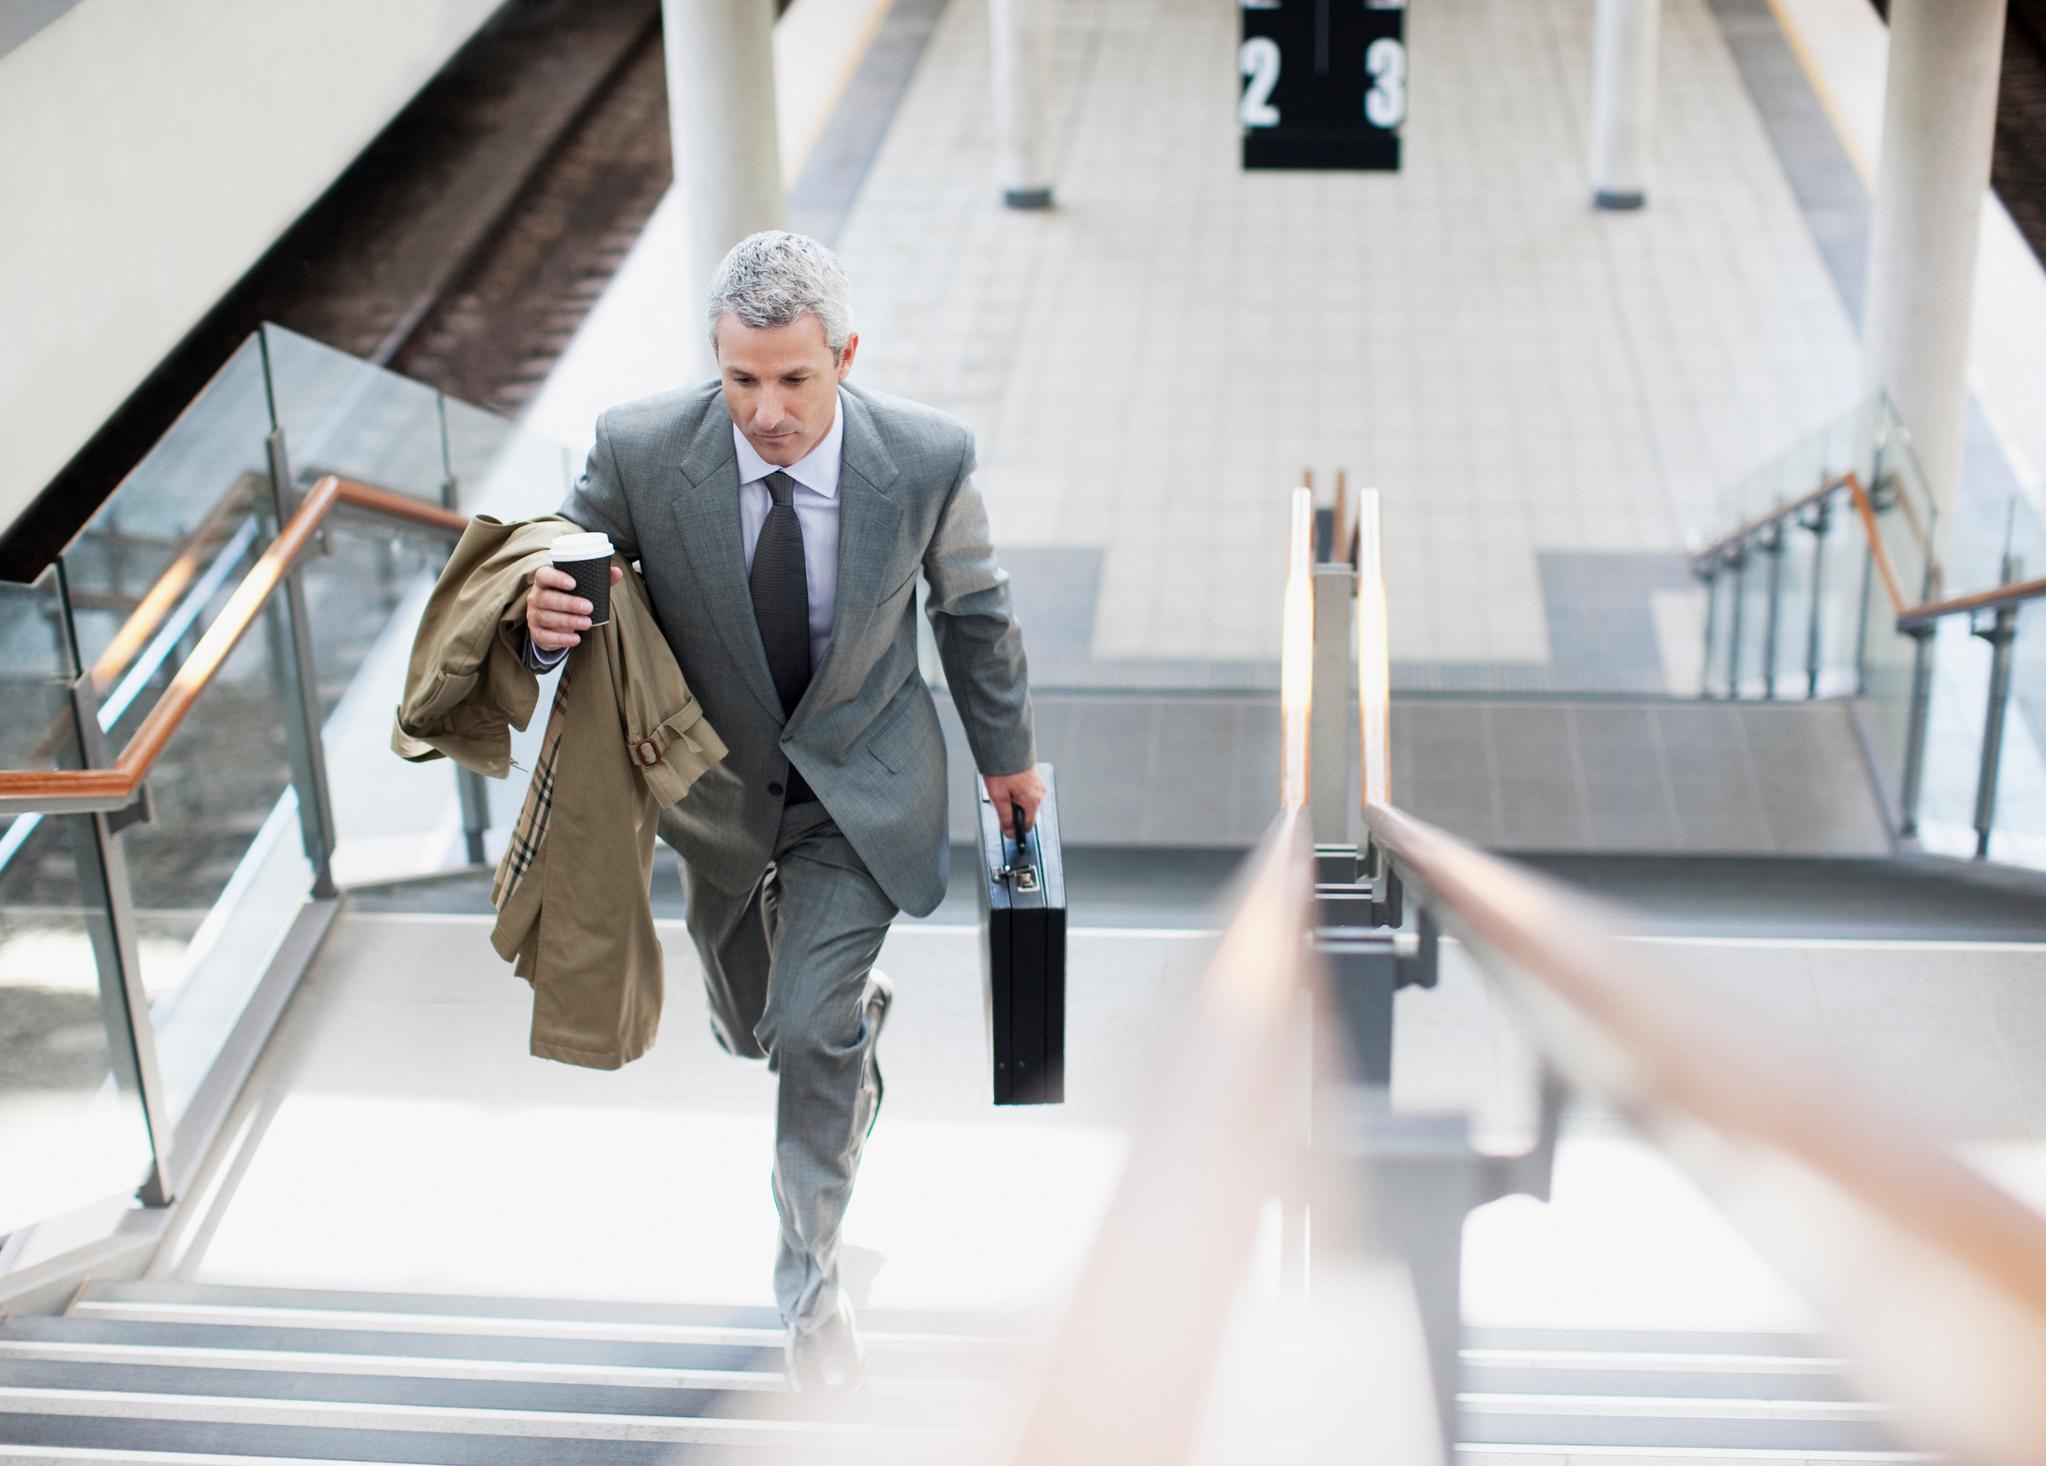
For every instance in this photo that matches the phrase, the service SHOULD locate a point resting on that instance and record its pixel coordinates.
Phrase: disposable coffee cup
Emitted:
(588, 558)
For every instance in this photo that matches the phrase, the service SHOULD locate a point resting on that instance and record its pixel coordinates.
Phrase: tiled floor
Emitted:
(1152, 364)
(1549, 398)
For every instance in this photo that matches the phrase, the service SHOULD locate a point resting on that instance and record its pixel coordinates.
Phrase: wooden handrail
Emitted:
(1137, 1347)
(387, 504)
(1702, 560)
(1909, 614)
(162, 596)
(1993, 599)
(1864, 508)
(72, 790)
(1933, 1279)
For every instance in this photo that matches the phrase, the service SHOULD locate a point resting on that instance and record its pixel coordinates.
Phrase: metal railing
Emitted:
(117, 787)
(1931, 1280)
(183, 747)
(1903, 595)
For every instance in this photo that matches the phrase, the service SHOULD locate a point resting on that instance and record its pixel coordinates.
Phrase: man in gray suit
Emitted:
(780, 516)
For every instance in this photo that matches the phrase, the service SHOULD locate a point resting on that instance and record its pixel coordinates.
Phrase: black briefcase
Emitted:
(1023, 953)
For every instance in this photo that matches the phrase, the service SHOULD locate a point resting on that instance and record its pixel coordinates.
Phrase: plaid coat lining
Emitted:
(531, 829)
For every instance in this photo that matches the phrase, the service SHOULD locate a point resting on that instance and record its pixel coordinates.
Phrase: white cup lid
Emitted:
(592, 545)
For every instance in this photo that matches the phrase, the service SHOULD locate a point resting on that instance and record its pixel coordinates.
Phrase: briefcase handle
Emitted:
(1021, 869)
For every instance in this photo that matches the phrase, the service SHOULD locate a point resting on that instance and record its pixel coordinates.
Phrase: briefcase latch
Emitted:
(1026, 878)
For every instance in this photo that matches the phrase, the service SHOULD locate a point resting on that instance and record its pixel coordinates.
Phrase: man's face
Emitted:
(781, 383)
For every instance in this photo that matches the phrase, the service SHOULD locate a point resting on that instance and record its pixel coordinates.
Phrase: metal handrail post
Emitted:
(1821, 519)
(1772, 546)
(1330, 795)
(111, 928)
(2001, 633)
(1739, 562)
(1914, 734)
(1423, 1177)
(1711, 623)
(1868, 564)
(292, 657)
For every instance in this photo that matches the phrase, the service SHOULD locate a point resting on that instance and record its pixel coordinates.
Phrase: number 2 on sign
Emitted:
(1258, 60)
(1385, 105)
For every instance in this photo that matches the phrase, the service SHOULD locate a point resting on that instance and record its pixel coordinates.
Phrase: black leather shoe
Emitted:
(829, 1358)
(882, 994)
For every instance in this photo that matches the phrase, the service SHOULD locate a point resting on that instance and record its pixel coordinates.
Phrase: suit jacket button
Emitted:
(775, 790)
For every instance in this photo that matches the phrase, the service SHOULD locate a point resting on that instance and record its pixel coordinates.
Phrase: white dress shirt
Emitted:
(815, 499)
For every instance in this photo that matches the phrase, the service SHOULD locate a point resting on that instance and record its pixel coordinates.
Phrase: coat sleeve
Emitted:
(978, 639)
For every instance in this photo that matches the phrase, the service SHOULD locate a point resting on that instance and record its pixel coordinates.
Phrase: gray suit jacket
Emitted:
(663, 483)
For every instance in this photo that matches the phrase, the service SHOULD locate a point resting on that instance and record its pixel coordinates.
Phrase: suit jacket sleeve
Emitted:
(596, 502)
(978, 639)
(598, 499)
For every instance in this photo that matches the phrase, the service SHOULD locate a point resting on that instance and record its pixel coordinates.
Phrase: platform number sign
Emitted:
(1324, 83)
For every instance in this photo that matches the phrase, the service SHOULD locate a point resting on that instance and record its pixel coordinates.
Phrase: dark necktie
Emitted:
(781, 594)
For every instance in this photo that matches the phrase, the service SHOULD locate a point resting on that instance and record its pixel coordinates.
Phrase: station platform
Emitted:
(1552, 400)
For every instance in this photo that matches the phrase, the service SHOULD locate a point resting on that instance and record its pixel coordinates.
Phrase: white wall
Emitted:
(150, 151)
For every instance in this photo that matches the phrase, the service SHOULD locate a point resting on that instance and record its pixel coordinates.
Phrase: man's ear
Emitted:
(845, 357)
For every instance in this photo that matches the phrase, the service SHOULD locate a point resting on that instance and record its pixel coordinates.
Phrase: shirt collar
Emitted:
(817, 469)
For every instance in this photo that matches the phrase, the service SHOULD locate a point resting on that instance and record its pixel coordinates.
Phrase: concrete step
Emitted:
(164, 1371)
(543, 1325)
(62, 1438)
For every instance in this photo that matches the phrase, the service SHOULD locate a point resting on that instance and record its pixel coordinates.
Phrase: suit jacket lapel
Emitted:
(869, 521)
(707, 513)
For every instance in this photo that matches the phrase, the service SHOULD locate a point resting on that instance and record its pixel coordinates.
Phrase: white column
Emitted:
(720, 57)
(1623, 102)
(1939, 119)
(1022, 149)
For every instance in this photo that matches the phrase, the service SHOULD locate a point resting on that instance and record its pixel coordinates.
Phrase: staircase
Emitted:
(175, 1372)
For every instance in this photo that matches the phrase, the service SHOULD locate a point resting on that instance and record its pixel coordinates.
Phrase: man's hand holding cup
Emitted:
(561, 601)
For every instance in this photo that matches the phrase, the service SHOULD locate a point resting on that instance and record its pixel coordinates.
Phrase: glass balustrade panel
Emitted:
(340, 415)
(220, 872)
(184, 522)
(1907, 519)
(502, 469)
(365, 597)
(1885, 673)
(2019, 833)
(1834, 548)
(72, 1130)
(1953, 739)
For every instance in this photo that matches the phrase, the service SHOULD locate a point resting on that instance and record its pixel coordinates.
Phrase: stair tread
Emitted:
(537, 1309)
(155, 1439)
(405, 1393)
(536, 1349)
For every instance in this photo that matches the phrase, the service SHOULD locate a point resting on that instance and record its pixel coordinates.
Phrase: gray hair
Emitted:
(774, 277)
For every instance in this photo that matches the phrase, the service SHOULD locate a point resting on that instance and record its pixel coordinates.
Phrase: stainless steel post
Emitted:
(1739, 561)
(1711, 621)
(1423, 1178)
(110, 925)
(292, 645)
(1772, 546)
(2001, 633)
(1820, 520)
(1914, 735)
(1331, 792)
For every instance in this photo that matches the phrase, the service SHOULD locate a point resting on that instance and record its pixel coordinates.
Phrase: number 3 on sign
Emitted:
(1385, 105)
(1258, 60)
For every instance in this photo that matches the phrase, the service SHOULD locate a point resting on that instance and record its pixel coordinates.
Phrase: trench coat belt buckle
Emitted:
(648, 752)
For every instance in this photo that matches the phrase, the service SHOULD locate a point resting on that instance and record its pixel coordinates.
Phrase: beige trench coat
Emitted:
(625, 739)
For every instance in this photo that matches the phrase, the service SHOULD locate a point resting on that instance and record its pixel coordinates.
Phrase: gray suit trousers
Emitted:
(786, 968)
